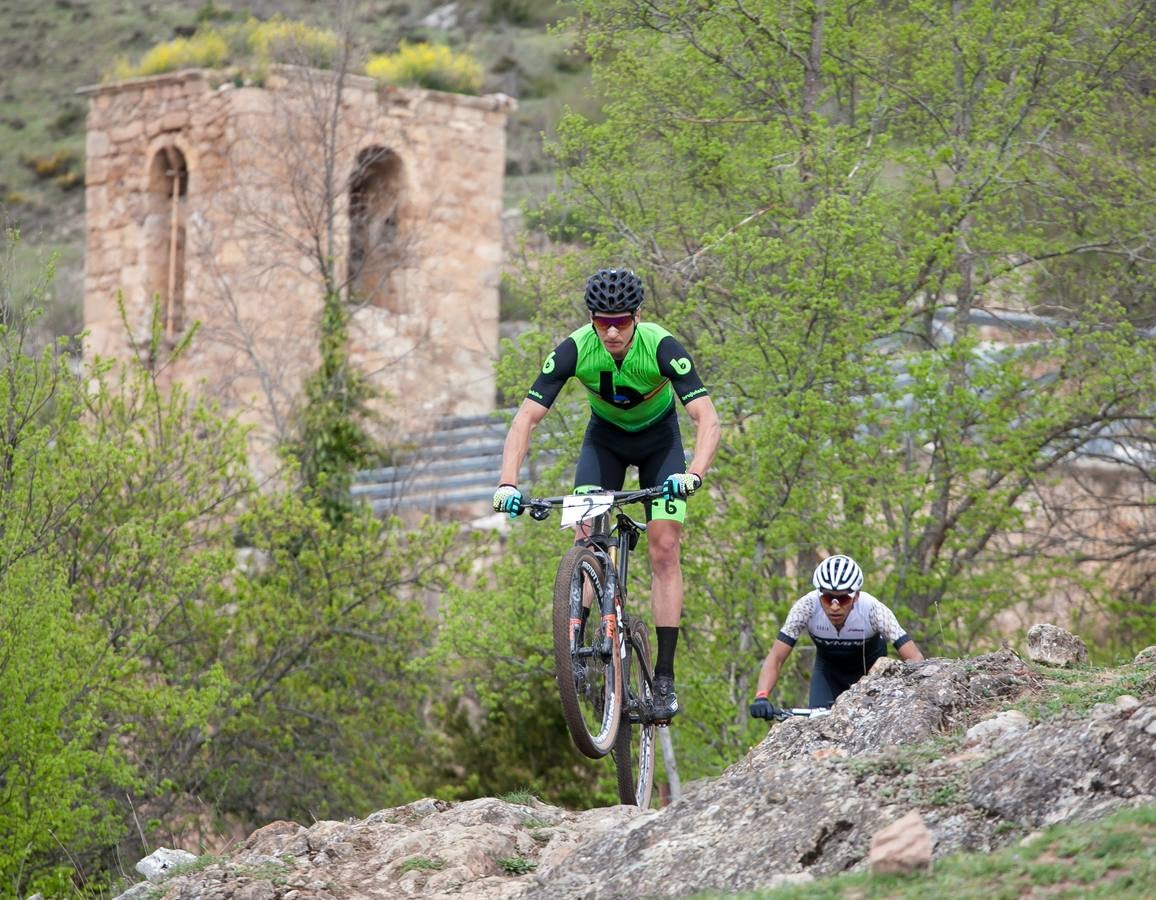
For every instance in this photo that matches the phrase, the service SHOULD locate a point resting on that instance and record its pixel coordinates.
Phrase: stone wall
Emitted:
(260, 225)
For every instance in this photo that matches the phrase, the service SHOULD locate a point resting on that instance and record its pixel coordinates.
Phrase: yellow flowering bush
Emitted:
(280, 40)
(250, 45)
(201, 51)
(433, 66)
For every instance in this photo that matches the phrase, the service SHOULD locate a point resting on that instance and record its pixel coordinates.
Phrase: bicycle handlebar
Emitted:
(540, 507)
(782, 713)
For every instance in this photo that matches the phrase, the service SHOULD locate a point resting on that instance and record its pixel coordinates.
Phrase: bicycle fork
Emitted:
(613, 637)
(612, 633)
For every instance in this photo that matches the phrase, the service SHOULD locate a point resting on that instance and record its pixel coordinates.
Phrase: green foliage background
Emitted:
(824, 198)
(175, 646)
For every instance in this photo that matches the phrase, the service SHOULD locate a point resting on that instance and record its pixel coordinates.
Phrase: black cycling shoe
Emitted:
(664, 702)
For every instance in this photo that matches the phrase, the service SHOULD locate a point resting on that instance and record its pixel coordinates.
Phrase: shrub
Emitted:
(433, 66)
(68, 121)
(516, 865)
(201, 51)
(250, 45)
(52, 165)
(68, 181)
(210, 12)
(279, 40)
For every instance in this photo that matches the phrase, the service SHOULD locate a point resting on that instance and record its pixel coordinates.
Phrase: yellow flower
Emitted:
(433, 66)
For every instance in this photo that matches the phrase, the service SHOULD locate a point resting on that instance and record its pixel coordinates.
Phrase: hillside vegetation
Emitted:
(51, 50)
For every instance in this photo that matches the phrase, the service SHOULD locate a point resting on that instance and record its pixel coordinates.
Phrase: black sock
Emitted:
(667, 641)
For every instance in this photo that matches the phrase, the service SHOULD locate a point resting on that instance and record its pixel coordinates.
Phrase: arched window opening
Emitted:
(374, 245)
(165, 236)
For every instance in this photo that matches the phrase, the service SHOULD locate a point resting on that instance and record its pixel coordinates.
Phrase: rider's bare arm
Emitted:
(910, 652)
(517, 445)
(708, 431)
(769, 673)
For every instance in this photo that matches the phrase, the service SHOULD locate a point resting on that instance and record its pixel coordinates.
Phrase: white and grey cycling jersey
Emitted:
(869, 623)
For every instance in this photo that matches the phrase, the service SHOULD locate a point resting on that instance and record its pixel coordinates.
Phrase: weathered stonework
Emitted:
(262, 224)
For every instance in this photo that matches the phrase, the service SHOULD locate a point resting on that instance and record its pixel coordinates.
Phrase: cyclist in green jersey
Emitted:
(632, 371)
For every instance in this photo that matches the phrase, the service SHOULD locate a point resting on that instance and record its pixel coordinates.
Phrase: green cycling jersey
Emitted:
(632, 394)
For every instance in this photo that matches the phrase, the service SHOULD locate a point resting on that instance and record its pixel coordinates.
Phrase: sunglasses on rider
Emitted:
(605, 323)
(838, 598)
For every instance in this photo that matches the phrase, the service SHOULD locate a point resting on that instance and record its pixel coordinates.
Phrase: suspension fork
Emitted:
(609, 606)
(600, 543)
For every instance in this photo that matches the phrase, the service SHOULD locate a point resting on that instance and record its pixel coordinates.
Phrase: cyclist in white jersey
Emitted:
(849, 627)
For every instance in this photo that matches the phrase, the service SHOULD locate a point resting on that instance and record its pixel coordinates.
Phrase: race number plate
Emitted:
(581, 507)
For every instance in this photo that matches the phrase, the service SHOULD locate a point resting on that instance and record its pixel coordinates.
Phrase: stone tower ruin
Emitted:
(238, 207)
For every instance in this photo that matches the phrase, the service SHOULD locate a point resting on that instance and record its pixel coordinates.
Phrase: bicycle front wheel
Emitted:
(587, 655)
(634, 748)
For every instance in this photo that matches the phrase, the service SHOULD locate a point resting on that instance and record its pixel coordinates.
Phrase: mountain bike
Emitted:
(601, 652)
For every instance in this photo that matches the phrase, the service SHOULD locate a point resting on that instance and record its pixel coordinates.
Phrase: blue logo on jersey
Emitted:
(618, 394)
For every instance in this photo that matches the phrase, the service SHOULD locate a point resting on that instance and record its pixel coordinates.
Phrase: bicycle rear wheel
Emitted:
(587, 662)
(634, 748)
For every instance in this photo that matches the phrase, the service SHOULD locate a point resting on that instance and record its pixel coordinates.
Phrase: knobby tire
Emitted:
(591, 705)
(637, 736)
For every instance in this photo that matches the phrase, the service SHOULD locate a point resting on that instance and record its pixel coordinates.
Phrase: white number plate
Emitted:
(581, 507)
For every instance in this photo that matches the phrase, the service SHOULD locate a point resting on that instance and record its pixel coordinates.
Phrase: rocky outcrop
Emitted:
(1053, 646)
(806, 802)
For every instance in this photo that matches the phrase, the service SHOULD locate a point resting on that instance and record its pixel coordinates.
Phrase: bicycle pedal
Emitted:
(648, 718)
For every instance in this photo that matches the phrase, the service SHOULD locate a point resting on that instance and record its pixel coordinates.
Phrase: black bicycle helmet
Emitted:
(613, 291)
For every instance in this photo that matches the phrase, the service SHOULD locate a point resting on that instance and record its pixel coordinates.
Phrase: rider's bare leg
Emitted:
(663, 539)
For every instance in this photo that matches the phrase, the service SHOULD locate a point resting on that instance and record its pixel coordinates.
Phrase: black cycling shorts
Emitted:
(829, 680)
(608, 450)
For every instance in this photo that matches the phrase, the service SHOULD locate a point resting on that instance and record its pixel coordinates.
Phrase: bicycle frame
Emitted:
(612, 547)
(602, 665)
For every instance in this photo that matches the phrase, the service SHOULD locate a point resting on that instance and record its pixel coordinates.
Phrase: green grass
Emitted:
(1114, 857)
(516, 865)
(1075, 691)
(421, 864)
(274, 870)
(519, 798)
(49, 51)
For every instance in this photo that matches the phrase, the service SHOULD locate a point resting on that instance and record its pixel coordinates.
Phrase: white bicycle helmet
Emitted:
(838, 575)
